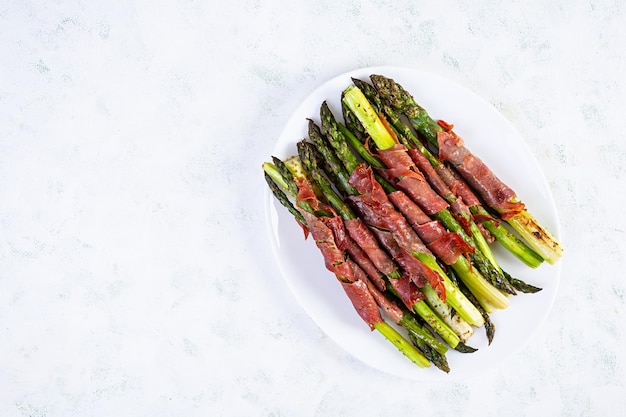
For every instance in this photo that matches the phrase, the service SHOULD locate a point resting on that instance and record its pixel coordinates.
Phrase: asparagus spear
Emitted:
(523, 286)
(281, 196)
(432, 355)
(402, 344)
(523, 222)
(409, 322)
(333, 166)
(490, 327)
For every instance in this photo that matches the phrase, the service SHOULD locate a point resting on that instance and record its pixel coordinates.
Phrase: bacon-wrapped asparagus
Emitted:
(424, 270)
(433, 195)
(499, 196)
(397, 208)
(326, 228)
(415, 186)
(359, 192)
(464, 203)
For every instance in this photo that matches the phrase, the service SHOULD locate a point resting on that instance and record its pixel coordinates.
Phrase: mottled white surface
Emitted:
(135, 274)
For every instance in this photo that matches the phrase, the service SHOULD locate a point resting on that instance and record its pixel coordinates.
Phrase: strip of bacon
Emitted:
(496, 194)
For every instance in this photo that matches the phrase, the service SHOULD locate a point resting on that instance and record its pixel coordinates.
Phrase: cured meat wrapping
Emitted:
(495, 193)
(446, 245)
(330, 236)
(362, 235)
(363, 302)
(401, 170)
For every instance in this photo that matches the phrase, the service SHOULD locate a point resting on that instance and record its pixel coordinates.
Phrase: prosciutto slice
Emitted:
(363, 302)
(393, 221)
(464, 193)
(364, 262)
(402, 172)
(390, 308)
(408, 285)
(365, 284)
(496, 194)
(325, 241)
(364, 238)
(425, 167)
(457, 185)
(446, 245)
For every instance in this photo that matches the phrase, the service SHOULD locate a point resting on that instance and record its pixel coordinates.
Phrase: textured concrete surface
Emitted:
(135, 273)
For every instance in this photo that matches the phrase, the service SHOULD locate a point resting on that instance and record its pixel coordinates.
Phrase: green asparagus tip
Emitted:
(463, 348)
(283, 199)
(395, 95)
(273, 172)
(402, 344)
(354, 98)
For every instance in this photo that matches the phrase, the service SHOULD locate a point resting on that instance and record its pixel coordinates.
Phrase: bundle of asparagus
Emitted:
(404, 215)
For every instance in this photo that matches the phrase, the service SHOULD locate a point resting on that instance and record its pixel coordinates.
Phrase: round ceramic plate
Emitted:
(491, 137)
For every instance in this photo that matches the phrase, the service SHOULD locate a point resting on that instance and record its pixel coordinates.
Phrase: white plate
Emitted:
(491, 137)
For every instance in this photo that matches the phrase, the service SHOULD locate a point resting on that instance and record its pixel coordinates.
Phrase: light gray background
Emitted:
(135, 273)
